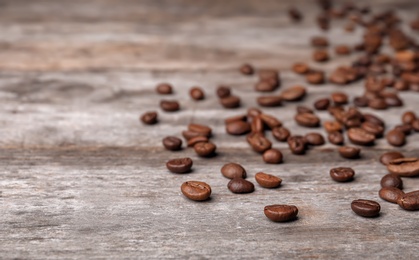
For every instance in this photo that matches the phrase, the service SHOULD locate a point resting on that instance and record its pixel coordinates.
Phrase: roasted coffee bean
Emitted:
(232, 119)
(172, 143)
(390, 194)
(281, 133)
(392, 180)
(366, 208)
(230, 102)
(197, 139)
(319, 41)
(385, 158)
(272, 156)
(293, 93)
(149, 118)
(391, 99)
(342, 50)
(190, 134)
(339, 98)
(239, 185)
(258, 142)
(409, 201)
(267, 74)
(342, 174)
(180, 165)
(267, 180)
(257, 125)
(169, 105)
(404, 128)
(304, 109)
(415, 125)
(401, 85)
(300, 68)
(196, 190)
(396, 137)
(332, 126)
(408, 117)
(372, 128)
(164, 89)
(361, 101)
(233, 170)
(197, 93)
(359, 136)
(270, 121)
(336, 138)
(314, 139)
(405, 167)
(205, 149)
(266, 85)
(373, 119)
(297, 144)
(307, 120)
(202, 129)
(253, 112)
(315, 77)
(223, 91)
(322, 104)
(377, 103)
(247, 69)
(349, 152)
(269, 101)
(320, 56)
(281, 213)
(294, 14)
(238, 128)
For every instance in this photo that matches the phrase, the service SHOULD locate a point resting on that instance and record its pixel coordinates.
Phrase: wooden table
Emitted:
(80, 177)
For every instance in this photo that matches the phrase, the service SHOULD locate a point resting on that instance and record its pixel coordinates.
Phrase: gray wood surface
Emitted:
(81, 178)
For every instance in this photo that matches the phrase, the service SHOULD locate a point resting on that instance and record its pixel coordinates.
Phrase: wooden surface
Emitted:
(80, 177)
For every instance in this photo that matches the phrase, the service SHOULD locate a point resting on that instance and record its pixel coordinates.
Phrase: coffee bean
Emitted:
(149, 117)
(304, 109)
(297, 144)
(223, 91)
(281, 133)
(293, 93)
(266, 85)
(405, 167)
(361, 101)
(372, 128)
(342, 174)
(164, 89)
(247, 69)
(268, 74)
(359, 136)
(385, 158)
(197, 139)
(169, 105)
(377, 103)
(205, 149)
(239, 185)
(315, 77)
(415, 125)
(257, 125)
(196, 93)
(270, 121)
(196, 190)
(253, 112)
(396, 137)
(190, 134)
(230, 102)
(202, 129)
(258, 142)
(390, 194)
(391, 99)
(172, 143)
(409, 201)
(294, 14)
(408, 117)
(307, 120)
(373, 119)
(322, 104)
(336, 138)
(269, 101)
(339, 98)
(300, 68)
(392, 180)
(332, 126)
(272, 156)
(320, 56)
(401, 85)
(349, 152)
(267, 180)
(233, 170)
(404, 128)
(281, 213)
(366, 208)
(180, 165)
(319, 41)
(342, 50)
(235, 118)
(314, 139)
(238, 128)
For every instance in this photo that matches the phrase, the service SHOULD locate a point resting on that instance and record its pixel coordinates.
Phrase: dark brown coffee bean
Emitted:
(293, 93)
(401, 85)
(149, 117)
(247, 69)
(232, 119)
(238, 128)
(361, 101)
(197, 93)
(392, 180)
(342, 174)
(336, 138)
(307, 120)
(349, 152)
(391, 99)
(294, 14)
(281, 133)
(253, 112)
(164, 89)
(303, 109)
(297, 144)
(190, 134)
(342, 50)
(180, 165)
(396, 137)
(300, 68)
(258, 142)
(314, 139)
(409, 201)
(377, 103)
(172, 143)
(320, 56)
(385, 158)
(257, 125)
(266, 85)
(390, 194)
(270, 121)
(202, 129)
(239, 185)
(205, 149)
(372, 128)
(233, 170)
(281, 213)
(339, 98)
(359, 136)
(322, 104)
(196, 190)
(197, 139)
(405, 167)
(415, 125)
(408, 117)
(366, 208)
(404, 128)
(267, 74)
(269, 101)
(332, 126)
(230, 102)
(272, 156)
(319, 41)
(373, 119)
(267, 180)
(315, 77)
(169, 105)
(223, 91)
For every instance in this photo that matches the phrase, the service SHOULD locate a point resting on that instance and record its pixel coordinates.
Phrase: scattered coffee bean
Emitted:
(281, 133)
(253, 112)
(377, 103)
(314, 139)
(405, 128)
(270, 121)
(269, 101)
(342, 174)
(196, 190)
(389, 156)
(281, 213)
(361, 101)
(332, 126)
(349, 152)
(373, 119)
(233, 170)
(366, 208)
(359, 136)
(297, 144)
(230, 102)
(339, 98)
(180, 165)
(372, 128)
(320, 56)
(304, 109)
(197, 139)
(322, 104)
(205, 149)
(392, 180)
(295, 14)
(319, 41)
(396, 137)
(197, 93)
(415, 125)
(405, 167)
(190, 134)
(149, 118)
(202, 129)
(172, 143)
(300, 68)
(267, 180)
(342, 50)
(307, 120)
(247, 69)
(409, 201)
(294, 93)
(390, 194)
(257, 125)
(223, 91)
(169, 105)
(272, 156)
(235, 118)
(336, 138)
(238, 128)
(164, 89)
(315, 77)
(258, 142)
(266, 85)
(239, 185)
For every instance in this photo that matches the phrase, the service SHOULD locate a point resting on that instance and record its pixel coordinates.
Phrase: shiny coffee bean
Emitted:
(392, 180)
(267, 180)
(269, 101)
(377, 103)
(239, 185)
(272, 156)
(202, 129)
(297, 144)
(190, 134)
(238, 128)
(232, 119)
(405, 128)
(180, 165)
(281, 133)
(366, 208)
(307, 120)
(257, 125)
(172, 143)
(339, 98)
(196, 93)
(266, 85)
(230, 101)
(342, 174)
(405, 167)
(349, 152)
(332, 126)
(372, 128)
(314, 139)
(169, 105)
(408, 117)
(223, 91)
(300, 68)
(270, 121)
(258, 142)
(409, 201)
(396, 137)
(322, 104)
(149, 118)
(373, 119)
(315, 77)
(385, 158)
(164, 89)
(336, 138)
(390, 194)
(293, 93)
(359, 136)
(197, 139)
(320, 56)
(247, 69)
(205, 149)
(233, 170)
(303, 109)
(196, 190)
(281, 213)
(253, 112)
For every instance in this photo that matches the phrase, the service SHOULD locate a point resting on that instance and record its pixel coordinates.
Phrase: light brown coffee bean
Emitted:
(257, 125)
(267, 180)
(293, 93)
(339, 98)
(315, 77)
(272, 156)
(196, 190)
(233, 170)
(408, 117)
(307, 120)
(281, 213)
(332, 126)
(405, 167)
(247, 69)
(300, 68)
